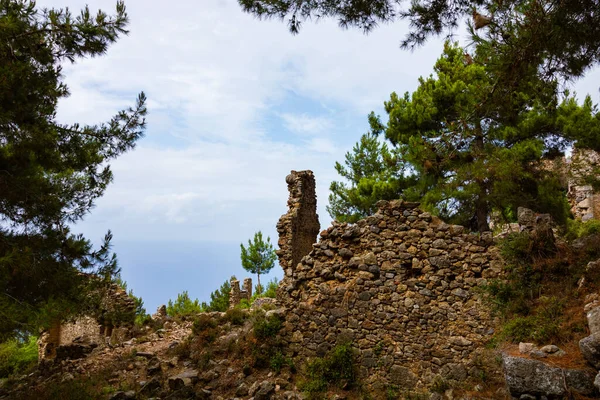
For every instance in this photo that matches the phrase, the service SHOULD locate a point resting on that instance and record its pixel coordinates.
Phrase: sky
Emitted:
(234, 104)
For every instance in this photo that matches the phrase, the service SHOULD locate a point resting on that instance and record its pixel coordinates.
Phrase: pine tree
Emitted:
(556, 37)
(473, 154)
(259, 257)
(50, 172)
(374, 172)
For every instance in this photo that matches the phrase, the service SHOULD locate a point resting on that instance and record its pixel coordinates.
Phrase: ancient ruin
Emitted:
(584, 200)
(400, 285)
(298, 229)
(75, 338)
(236, 295)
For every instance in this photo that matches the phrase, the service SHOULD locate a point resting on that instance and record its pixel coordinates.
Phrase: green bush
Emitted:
(183, 306)
(236, 316)
(576, 229)
(337, 368)
(16, 356)
(264, 327)
(203, 322)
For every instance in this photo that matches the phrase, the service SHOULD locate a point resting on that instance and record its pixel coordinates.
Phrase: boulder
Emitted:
(535, 378)
(590, 348)
(593, 318)
(265, 391)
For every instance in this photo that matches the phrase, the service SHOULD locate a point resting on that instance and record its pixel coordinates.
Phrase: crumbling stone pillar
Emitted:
(234, 294)
(247, 288)
(298, 229)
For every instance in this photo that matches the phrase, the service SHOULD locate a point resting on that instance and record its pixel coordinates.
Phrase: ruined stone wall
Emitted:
(298, 229)
(236, 294)
(108, 325)
(585, 201)
(402, 286)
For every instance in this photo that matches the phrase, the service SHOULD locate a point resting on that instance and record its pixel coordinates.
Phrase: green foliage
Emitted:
(141, 316)
(219, 299)
(439, 385)
(472, 154)
(576, 229)
(265, 328)
(544, 37)
(236, 316)
(203, 322)
(259, 257)
(270, 291)
(52, 172)
(278, 361)
(183, 306)
(374, 172)
(337, 368)
(17, 356)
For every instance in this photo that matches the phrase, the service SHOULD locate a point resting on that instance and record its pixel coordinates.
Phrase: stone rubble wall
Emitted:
(109, 325)
(236, 294)
(585, 202)
(298, 229)
(401, 285)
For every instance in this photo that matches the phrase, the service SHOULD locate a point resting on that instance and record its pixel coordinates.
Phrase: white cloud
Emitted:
(306, 124)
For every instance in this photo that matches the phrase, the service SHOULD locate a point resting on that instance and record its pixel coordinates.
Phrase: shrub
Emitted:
(337, 368)
(236, 316)
(16, 356)
(203, 322)
(266, 327)
(576, 229)
(183, 306)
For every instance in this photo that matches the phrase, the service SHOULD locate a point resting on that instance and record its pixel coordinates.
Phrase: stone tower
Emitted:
(298, 229)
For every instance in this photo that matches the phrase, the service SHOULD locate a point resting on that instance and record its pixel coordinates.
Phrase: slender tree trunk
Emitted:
(258, 281)
(481, 203)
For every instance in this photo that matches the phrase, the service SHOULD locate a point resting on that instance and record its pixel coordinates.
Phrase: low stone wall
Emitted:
(108, 325)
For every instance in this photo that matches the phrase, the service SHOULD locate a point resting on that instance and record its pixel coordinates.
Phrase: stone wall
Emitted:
(110, 324)
(298, 229)
(585, 201)
(401, 285)
(236, 294)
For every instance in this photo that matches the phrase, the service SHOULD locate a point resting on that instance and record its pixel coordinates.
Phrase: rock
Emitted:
(265, 391)
(590, 348)
(526, 348)
(525, 217)
(549, 349)
(531, 377)
(597, 381)
(150, 387)
(593, 318)
(242, 390)
(345, 253)
(459, 341)
(130, 394)
(153, 367)
(580, 381)
(402, 377)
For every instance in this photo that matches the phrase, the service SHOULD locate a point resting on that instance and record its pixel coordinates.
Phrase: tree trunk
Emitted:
(481, 204)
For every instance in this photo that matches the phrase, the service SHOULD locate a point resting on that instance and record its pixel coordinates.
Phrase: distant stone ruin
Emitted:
(111, 324)
(398, 284)
(585, 202)
(236, 295)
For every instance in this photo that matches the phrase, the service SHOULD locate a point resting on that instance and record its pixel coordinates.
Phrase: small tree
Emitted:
(183, 305)
(259, 257)
(219, 299)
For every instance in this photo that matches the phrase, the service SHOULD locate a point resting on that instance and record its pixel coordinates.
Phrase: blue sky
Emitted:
(234, 104)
